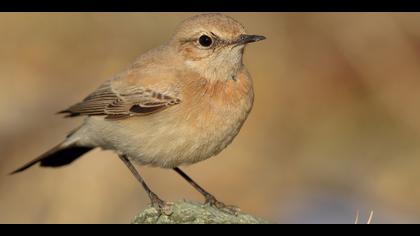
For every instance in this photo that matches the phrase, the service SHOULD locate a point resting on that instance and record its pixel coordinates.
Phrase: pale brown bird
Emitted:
(177, 104)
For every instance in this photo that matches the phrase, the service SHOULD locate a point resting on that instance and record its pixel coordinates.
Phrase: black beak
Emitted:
(246, 38)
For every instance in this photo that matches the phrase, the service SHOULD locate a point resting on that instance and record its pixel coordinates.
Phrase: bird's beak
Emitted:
(246, 38)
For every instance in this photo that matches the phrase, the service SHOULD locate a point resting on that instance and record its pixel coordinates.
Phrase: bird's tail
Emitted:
(60, 155)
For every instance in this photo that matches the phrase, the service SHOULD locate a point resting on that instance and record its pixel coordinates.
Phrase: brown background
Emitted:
(335, 126)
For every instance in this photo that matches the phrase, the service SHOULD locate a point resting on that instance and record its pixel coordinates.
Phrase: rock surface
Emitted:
(194, 213)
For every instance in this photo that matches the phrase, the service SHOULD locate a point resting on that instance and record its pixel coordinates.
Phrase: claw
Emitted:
(161, 206)
(212, 201)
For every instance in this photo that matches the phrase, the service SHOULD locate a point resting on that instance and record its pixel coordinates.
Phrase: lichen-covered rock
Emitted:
(194, 213)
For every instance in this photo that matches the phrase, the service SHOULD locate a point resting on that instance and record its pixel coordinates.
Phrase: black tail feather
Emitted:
(58, 156)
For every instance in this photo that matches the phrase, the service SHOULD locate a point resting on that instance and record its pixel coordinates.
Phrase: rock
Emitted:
(185, 212)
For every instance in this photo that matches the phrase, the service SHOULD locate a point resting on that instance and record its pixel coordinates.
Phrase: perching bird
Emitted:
(177, 104)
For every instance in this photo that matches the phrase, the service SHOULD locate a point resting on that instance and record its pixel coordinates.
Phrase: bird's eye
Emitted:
(205, 41)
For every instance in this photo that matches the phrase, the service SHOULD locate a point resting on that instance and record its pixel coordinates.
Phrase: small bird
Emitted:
(177, 104)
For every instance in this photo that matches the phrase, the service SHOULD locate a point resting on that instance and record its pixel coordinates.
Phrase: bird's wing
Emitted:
(115, 104)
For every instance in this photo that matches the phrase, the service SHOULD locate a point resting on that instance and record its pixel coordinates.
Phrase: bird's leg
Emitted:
(210, 199)
(159, 204)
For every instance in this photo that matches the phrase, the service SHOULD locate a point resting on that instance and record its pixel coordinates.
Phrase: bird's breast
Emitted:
(217, 103)
(212, 114)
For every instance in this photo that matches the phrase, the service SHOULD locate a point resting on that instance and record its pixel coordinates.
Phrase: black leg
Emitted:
(210, 199)
(156, 202)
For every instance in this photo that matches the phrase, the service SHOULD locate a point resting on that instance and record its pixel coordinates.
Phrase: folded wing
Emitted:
(114, 105)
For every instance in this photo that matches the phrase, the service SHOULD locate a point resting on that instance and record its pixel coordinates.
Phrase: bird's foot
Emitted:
(161, 206)
(212, 201)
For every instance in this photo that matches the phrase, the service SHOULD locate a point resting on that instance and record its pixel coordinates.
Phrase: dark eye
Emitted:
(205, 41)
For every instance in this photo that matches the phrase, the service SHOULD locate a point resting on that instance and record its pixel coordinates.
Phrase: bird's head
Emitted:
(212, 45)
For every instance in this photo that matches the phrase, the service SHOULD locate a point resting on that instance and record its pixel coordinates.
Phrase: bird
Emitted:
(177, 104)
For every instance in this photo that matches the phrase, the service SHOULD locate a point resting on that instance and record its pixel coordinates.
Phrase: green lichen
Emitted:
(194, 213)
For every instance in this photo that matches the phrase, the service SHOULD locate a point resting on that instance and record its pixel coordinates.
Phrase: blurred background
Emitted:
(335, 126)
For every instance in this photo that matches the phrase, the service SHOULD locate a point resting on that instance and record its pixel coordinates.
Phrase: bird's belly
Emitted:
(166, 139)
(173, 143)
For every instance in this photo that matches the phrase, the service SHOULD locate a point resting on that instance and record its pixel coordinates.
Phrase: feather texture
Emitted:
(115, 105)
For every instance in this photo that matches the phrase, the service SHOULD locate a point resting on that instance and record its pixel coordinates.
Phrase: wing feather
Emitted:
(115, 105)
